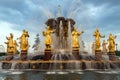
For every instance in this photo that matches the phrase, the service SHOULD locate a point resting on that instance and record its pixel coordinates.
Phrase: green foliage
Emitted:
(117, 53)
(2, 53)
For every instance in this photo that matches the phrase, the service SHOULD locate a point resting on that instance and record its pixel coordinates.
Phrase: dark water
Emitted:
(58, 75)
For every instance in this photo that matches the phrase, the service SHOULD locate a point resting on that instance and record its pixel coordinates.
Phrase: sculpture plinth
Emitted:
(75, 53)
(9, 56)
(23, 55)
(98, 55)
(48, 54)
(112, 56)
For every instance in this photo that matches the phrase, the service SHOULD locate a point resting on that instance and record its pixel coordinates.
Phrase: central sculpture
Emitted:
(65, 36)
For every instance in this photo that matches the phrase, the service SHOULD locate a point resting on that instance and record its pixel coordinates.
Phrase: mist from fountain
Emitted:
(13, 65)
(56, 56)
(48, 13)
(55, 44)
(0, 65)
(61, 35)
(74, 9)
(58, 39)
(69, 37)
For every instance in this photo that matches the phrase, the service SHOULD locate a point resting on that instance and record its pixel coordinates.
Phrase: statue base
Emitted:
(112, 56)
(48, 54)
(9, 56)
(23, 55)
(75, 53)
(98, 55)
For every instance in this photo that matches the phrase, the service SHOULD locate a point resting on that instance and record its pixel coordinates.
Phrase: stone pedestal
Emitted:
(9, 56)
(98, 55)
(48, 54)
(75, 53)
(112, 56)
(23, 55)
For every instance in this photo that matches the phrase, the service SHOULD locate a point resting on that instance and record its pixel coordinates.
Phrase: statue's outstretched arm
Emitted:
(19, 37)
(44, 33)
(81, 32)
(53, 31)
(6, 42)
(7, 38)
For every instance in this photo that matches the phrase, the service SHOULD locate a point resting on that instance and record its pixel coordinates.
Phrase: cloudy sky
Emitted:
(16, 15)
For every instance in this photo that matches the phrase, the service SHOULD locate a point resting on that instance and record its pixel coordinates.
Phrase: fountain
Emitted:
(61, 50)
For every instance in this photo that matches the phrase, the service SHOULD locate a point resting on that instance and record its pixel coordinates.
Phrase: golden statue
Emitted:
(9, 43)
(24, 41)
(104, 50)
(15, 45)
(75, 40)
(48, 39)
(111, 41)
(97, 39)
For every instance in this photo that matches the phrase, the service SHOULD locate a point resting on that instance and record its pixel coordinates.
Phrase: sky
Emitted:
(16, 15)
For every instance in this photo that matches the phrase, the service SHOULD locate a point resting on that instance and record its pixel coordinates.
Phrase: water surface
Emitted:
(58, 75)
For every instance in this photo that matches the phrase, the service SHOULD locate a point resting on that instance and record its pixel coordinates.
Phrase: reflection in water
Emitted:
(40, 75)
(23, 77)
(106, 76)
(8, 78)
(63, 77)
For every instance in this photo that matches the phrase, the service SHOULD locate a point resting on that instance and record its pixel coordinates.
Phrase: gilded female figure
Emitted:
(75, 40)
(48, 39)
(97, 39)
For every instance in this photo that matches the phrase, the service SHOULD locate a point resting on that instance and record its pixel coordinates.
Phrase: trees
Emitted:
(36, 46)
